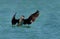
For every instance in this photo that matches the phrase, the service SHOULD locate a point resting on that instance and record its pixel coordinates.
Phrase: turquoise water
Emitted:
(46, 26)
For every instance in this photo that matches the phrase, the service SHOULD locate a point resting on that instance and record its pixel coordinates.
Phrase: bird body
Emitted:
(28, 21)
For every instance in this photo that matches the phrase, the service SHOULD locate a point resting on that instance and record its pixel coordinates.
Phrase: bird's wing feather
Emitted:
(33, 16)
(14, 20)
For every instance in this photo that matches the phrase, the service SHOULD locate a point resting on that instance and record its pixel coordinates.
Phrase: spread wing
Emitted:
(33, 16)
(14, 20)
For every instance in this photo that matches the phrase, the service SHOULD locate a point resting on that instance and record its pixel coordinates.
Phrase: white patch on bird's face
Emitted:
(31, 21)
(22, 17)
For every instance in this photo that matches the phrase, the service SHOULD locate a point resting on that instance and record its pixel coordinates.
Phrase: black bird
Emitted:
(28, 21)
